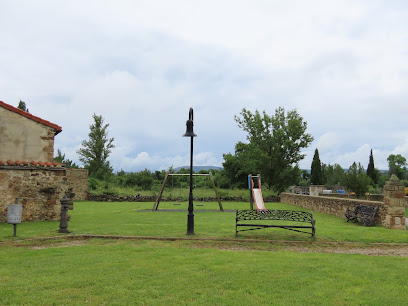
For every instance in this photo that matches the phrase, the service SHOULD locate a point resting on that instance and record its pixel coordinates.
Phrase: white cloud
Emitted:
(342, 64)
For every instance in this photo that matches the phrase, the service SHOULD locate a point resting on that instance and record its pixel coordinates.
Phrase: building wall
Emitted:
(39, 190)
(23, 139)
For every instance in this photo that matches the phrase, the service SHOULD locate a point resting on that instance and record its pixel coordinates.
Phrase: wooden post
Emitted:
(251, 198)
(156, 204)
(216, 193)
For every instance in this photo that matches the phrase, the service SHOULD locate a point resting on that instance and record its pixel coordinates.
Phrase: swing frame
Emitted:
(156, 204)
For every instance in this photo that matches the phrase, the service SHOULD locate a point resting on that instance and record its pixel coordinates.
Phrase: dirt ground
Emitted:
(374, 249)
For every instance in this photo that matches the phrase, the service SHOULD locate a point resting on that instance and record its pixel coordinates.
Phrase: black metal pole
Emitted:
(15, 230)
(190, 216)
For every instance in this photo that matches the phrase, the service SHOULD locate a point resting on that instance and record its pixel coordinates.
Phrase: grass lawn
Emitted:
(149, 272)
(130, 219)
(220, 271)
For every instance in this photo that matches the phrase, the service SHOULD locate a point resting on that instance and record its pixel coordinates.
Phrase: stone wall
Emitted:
(331, 205)
(78, 182)
(39, 190)
(368, 197)
(394, 200)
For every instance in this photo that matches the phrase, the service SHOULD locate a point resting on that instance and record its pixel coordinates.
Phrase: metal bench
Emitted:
(291, 216)
(363, 214)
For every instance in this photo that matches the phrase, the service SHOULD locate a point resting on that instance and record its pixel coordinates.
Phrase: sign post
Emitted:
(14, 213)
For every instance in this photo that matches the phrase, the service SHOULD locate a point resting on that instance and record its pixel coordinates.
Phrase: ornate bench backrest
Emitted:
(286, 215)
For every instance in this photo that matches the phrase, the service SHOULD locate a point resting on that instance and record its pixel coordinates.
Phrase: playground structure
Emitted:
(156, 204)
(255, 194)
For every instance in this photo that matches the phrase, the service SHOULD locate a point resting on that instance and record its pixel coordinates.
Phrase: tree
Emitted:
(371, 171)
(333, 174)
(95, 151)
(396, 164)
(274, 146)
(22, 105)
(316, 173)
(60, 158)
(356, 179)
(237, 167)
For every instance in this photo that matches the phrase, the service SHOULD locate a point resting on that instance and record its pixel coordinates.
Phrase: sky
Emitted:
(343, 65)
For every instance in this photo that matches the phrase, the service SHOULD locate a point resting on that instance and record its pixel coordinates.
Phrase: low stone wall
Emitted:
(78, 182)
(117, 198)
(368, 197)
(39, 190)
(331, 205)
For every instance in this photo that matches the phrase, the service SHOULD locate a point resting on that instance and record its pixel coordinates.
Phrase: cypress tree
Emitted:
(370, 168)
(316, 175)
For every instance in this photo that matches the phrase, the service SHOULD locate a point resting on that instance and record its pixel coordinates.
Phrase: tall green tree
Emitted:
(356, 179)
(316, 173)
(237, 166)
(396, 164)
(274, 145)
(371, 171)
(333, 174)
(60, 158)
(95, 151)
(22, 105)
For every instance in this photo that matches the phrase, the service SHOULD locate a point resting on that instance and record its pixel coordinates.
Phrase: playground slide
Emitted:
(258, 199)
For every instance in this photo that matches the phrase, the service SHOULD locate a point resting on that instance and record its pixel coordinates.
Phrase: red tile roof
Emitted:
(31, 164)
(16, 110)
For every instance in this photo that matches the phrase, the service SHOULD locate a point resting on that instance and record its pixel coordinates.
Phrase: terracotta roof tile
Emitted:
(16, 110)
(31, 164)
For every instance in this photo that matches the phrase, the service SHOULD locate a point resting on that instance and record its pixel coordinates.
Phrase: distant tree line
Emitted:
(272, 148)
(356, 179)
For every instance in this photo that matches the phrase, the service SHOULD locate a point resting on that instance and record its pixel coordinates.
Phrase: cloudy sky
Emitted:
(142, 64)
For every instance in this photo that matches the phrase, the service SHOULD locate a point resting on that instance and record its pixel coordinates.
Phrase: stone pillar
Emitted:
(315, 190)
(394, 202)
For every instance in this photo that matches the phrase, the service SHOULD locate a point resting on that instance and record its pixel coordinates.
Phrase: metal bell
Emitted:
(189, 125)
(189, 129)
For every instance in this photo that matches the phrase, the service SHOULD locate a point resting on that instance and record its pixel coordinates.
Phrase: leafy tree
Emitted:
(238, 166)
(396, 164)
(371, 171)
(274, 146)
(22, 105)
(95, 151)
(356, 179)
(304, 178)
(60, 158)
(333, 174)
(316, 173)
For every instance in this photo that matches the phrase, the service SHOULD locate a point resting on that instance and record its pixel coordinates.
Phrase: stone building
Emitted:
(27, 168)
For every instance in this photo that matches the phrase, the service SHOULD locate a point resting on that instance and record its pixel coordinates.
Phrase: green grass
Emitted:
(155, 272)
(223, 271)
(129, 219)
